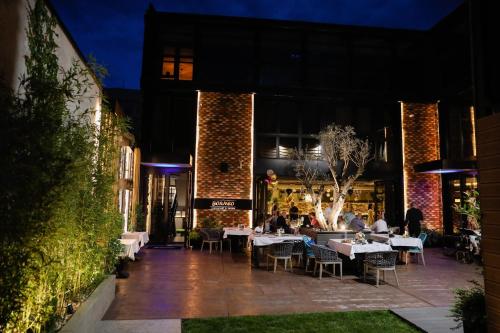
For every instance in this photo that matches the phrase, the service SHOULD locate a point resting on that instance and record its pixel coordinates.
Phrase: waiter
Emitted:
(414, 218)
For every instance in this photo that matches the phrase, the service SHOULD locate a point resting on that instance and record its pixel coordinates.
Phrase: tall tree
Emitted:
(346, 157)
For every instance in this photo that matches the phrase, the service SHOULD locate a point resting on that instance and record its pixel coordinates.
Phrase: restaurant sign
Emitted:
(222, 204)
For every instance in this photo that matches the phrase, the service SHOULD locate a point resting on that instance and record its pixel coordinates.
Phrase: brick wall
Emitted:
(420, 123)
(224, 135)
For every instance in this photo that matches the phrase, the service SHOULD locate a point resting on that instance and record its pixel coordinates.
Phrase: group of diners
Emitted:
(289, 221)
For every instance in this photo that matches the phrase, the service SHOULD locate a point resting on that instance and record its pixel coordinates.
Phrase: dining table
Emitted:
(141, 236)
(261, 240)
(130, 248)
(350, 248)
(398, 240)
(235, 231)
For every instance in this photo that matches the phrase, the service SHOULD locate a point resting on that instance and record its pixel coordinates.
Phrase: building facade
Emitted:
(226, 100)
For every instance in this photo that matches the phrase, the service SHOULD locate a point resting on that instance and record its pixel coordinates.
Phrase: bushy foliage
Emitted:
(470, 208)
(59, 221)
(469, 309)
(209, 222)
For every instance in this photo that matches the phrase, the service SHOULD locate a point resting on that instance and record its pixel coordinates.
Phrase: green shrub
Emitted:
(59, 220)
(469, 309)
(140, 223)
(209, 222)
(194, 235)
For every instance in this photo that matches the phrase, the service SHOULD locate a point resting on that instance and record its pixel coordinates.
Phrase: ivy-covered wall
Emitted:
(59, 222)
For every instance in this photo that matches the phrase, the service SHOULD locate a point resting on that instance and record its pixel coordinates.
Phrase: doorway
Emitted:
(167, 204)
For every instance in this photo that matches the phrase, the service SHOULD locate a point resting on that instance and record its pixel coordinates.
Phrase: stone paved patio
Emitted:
(188, 284)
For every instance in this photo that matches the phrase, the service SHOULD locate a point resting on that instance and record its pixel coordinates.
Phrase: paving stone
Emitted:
(190, 284)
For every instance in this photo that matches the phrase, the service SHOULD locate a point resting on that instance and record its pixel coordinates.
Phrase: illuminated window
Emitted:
(177, 64)
(168, 67)
(126, 162)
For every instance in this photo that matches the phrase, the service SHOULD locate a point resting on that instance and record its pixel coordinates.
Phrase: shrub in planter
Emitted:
(195, 239)
(469, 309)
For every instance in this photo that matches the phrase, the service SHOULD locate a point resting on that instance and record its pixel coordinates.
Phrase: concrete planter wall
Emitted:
(88, 315)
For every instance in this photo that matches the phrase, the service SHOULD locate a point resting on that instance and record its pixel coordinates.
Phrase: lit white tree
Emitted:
(308, 172)
(346, 157)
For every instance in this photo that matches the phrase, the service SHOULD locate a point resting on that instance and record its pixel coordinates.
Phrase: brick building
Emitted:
(226, 99)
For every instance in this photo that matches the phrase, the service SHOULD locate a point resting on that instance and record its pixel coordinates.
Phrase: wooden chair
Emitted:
(280, 251)
(381, 261)
(325, 256)
(211, 236)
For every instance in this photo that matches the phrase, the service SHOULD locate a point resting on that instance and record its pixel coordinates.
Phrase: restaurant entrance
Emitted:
(167, 204)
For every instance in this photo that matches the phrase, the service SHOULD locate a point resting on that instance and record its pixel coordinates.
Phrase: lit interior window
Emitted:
(177, 64)
(186, 64)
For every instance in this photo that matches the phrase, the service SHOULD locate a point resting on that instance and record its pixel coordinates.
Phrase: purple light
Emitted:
(442, 171)
(167, 165)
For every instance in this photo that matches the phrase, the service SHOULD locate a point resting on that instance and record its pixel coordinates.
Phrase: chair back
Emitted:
(423, 237)
(383, 259)
(298, 247)
(323, 253)
(211, 234)
(283, 249)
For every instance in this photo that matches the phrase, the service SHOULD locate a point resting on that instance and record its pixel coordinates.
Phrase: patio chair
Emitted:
(280, 251)
(416, 250)
(298, 250)
(381, 261)
(308, 241)
(211, 236)
(325, 256)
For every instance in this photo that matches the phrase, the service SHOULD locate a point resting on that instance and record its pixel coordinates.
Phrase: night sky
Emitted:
(112, 30)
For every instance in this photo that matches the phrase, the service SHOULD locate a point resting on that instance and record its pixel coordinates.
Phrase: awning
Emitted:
(447, 166)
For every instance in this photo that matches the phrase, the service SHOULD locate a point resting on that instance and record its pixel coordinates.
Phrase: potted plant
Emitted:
(195, 239)
(471, 209)
(469, 309)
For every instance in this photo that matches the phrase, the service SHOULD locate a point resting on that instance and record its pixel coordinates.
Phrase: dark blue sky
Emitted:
(112, 30)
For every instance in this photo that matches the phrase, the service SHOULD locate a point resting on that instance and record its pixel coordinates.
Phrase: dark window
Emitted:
(177, 64)
(266, 147)
(286, 146)
(289, 113)
(310, 121)
(311, 146)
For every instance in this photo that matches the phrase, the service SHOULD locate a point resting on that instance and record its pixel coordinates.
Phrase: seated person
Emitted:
(341, 225)
(267, 223)
(273, 222)
(380, 226)
(259, 228)
(312, 219)
(281, 222)
(357, 224)
(294, 212)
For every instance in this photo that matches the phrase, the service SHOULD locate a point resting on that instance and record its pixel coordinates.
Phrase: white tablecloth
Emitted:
(130, 247)
(263, 240)
(237, 232)
(350, 250)
(141, 236)
(398, 240)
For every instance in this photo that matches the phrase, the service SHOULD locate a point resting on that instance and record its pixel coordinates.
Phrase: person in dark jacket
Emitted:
(414, 218)
(281, 222)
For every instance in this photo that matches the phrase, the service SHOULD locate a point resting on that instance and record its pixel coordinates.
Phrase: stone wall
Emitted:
(420, 130)
(224, 140)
